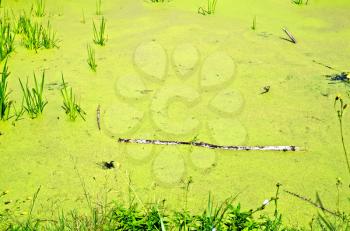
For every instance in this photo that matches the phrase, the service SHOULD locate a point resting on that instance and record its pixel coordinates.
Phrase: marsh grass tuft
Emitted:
(33, 99)
(99, 34)
(91, 58)
(35, 35)
(6, 39)
(48, 37)
(70, 105)
(211, 7)
(5, 103)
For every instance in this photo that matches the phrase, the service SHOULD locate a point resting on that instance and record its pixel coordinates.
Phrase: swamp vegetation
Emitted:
(174, 115)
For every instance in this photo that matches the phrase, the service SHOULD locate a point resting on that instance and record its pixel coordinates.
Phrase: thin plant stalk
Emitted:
(340, 112)
(98, 7)
(254, 23)
(83, 19)
(211, 6)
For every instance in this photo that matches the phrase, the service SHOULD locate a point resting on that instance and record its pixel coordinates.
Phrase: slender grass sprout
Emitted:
(70, 105)
(33, 99)
(39, 8)
(98, 7)
(83, 18)
(5, 103)
(254, 23)
(99, 34)
(18, 113)
(211, 7)
(91, 58)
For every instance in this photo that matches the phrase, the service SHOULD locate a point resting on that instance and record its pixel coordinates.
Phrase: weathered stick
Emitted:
(327, 66)
(211, 146)
(98, 117)
(291, 37)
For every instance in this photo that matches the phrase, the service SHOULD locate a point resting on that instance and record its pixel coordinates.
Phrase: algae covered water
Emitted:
(167, 72)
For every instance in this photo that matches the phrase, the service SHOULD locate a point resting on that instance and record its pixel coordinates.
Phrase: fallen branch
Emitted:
(211, 146)
(327, 66)
(98, 117)
(291, 37)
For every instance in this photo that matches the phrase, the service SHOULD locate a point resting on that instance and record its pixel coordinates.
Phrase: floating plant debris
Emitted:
(107, 164)
(325, 65)
(290, 36)
(265, 90)
(343, 77)
(98, 117)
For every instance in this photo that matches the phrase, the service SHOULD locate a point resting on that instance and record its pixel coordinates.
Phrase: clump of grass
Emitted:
(5, 103)
(98, 7)
(35, 35)
(39, 8)
(32, 36)
(254, 23)
(21, 25)
(48, 37)
(91, 58)
(211, 7)
(70, 104)
(33, 98)
(99, 34)
(6, 39)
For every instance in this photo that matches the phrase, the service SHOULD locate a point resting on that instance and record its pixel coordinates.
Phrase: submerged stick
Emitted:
(211, 146)
(98, 117)
(291, 37)
(325, 65)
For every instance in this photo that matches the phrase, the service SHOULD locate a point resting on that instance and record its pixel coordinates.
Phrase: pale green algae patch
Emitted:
(167, 72)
